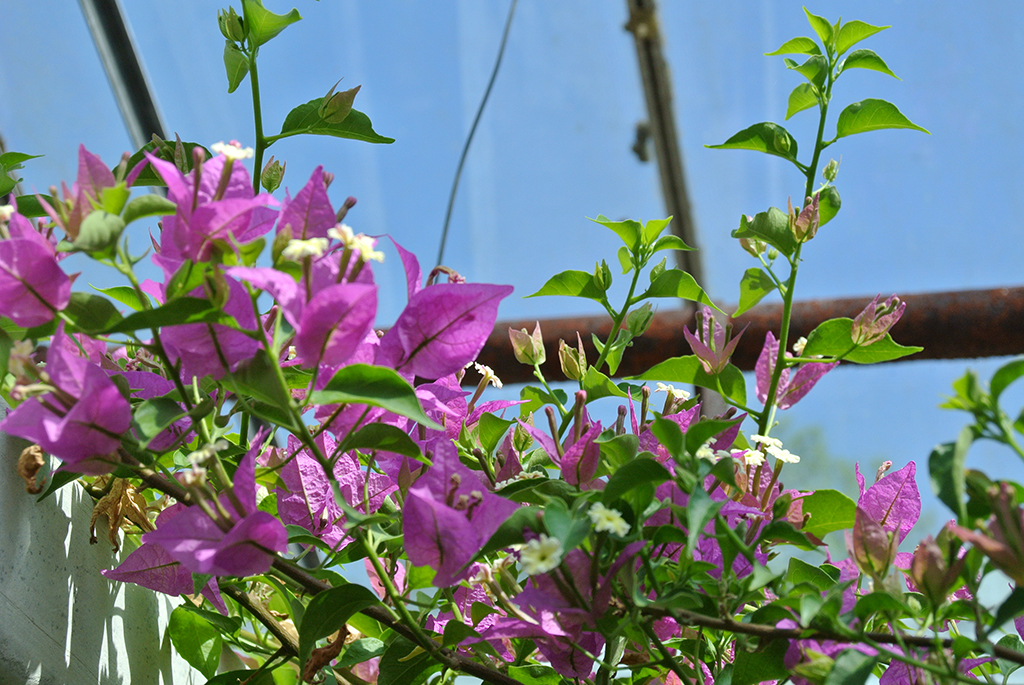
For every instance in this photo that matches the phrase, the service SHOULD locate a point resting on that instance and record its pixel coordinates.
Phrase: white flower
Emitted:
(20, 357)
(676, 393)
(799, 345)
(488, 374)
(783, 455)
(298, 249)
(705, 451)
(6, 212)
(605, 519)
(232, 150)
(753, 457)
(357, 242)
(541, 555)
(766, 441)
(522, 475)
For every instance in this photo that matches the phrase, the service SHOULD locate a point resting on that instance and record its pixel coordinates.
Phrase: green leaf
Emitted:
(29, 205)
(821, 26)
(618, 450)
(829, 510)
(751, 668)
(196, 640)
(179, 311)
(236, 65)
(262, 24)
(829, 203)
(629, 231)
(401, 665)
(6, 344)
(1005, 375)
(946, 468)
(687, 370)
(670, 435)
(803, 97)
(703, 430)
(878, 602)
(599, 385)
(229, 625)
(670, 242)
(814, 69)
(511, 531)
(854, 32)
(852, 667)
(256, 378)
(149, 204)
(328, 611)
(767, 137)
(91, 313)
(754, 285)
(1014, 643)
(306, 119)
(242, 677)
(376, 386)
(13, 160)
(677, 283)
(872, 115)
(359, 651)
(535, 674)
(492, 429)
(58, 479)
(165, 151)
(653, 228)
(382, 436)
(625, 259)
(802, 45)
(99, 233)
(867, 59)
(700, 510)
(572, 284)
(124, 294)
(634, 474)
(154, 416)
(780, 531)
(834, 337)
(771, 227)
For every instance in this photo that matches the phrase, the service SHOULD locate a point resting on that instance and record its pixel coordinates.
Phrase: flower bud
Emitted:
(658, 269)
(805, 224)
(931, 570)
(773, 254)
(711, 343)
(754, 246)
(272, 175)
(602, 276)
(639, 320)
(529, 349)
(871, 546)
(231, 25)
(572, 361)
(830, 171)
(781, 142)
(336, 106)
(874, 322)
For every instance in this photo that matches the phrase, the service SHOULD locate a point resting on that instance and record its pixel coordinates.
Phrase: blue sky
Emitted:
(921, 213)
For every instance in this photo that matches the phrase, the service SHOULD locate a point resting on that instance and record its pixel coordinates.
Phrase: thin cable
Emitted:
(472, 131)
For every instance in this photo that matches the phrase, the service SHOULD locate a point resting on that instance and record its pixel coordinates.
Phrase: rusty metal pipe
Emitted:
(951, 325)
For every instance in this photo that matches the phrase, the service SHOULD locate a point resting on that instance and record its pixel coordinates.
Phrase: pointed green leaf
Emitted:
(236, 64)
(829, 203)
(535, 674)
(867, 59)
(854, 32)
(753, 287)
(830, 510)
(328, 611)
(196, 640)
(572, 284)
(306, 119)
(405, 663)
(803, 97)
(771, 227)
(872, 115)
(946, 469)
(801, 45)
(705, 429)
(625, 259)
(599, 385)
(6, 343)
(802, 572)
(767, 137)
(687, 370)
(767, 663)
(376, 386)
(381, 436)
(670, 242)
(633, 474)
(149, 204)
(652, 229)
(678, 283)
(852, 667)
(821, 26)
(29, 205)
(834, 337)
(361, 650)
(629, 231)
(153, 417)
(179, 311)
(1006, 374)
(91, 313)
(815, 69)
(700, 510)
(263, 24)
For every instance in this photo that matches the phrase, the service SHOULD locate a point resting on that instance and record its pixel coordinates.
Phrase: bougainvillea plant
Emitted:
(255, 435)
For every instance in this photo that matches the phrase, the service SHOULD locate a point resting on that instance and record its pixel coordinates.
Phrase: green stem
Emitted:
(257, 116)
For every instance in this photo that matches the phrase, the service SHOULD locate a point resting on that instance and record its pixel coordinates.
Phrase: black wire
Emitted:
(472, 130)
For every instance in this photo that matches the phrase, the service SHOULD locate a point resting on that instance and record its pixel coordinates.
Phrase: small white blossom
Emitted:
(722, 454)
(232, 150)
(20, 357)
(799, 345)
(357, 242)
(766, 441)
(705, 452)
(6, 212)
(522, 475)
(783, 455)
(298, 249)
(674, 392)
(488, 374)
(541, 555)
(753, 457)
(605, 519)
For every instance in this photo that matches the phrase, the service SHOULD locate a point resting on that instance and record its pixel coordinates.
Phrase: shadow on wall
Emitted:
(60, 620)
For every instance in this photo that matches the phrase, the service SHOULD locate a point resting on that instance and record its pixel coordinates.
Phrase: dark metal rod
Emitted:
(949, 325)
(124, 69)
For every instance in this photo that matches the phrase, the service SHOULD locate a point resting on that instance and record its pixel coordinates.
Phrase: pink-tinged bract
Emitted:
(152, 567)
(894, 501)
(309, 214)
(32, 286)
(794, 382)
(93, 175)
(335, 322)
(443, 328)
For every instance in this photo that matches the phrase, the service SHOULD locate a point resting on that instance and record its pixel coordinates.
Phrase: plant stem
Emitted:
(257, 116)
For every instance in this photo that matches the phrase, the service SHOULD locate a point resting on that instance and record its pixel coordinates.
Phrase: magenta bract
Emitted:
(794, 383)
(309, 214)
